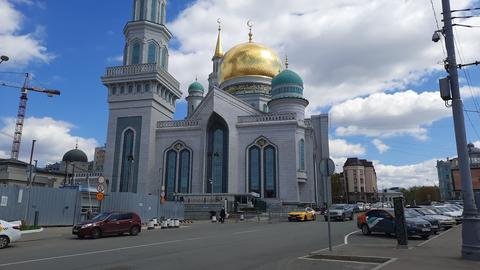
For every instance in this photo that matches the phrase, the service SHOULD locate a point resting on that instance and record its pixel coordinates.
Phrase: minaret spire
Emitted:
(250, 24)
(286, 61)
(218, 48)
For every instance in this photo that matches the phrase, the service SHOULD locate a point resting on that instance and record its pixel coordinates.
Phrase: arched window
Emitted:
(154, 11)
(128, 161)
(152, 52)
(184, 174)
(254, 175)
(165, 57)
(170, 173)
(141, 10)
(301, 155)
(270, 175)
(217, 156)
(135, 53)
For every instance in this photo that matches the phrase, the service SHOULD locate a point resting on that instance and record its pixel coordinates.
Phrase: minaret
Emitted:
(195, 96)
(140, 93)
(287, 93)
(217, 60)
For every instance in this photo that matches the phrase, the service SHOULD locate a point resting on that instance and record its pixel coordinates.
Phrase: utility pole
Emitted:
(471, 219)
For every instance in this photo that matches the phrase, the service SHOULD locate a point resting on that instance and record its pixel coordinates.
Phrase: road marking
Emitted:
(384, 264)
(340, 261)
(323, 249)
(247, 231)
(345, 239)
(435, 237)
(100, 251)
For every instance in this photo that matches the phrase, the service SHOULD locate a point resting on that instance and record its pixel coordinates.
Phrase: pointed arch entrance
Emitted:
(217, 155)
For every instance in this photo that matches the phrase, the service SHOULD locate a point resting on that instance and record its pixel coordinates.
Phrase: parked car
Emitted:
(383, 221)
(109, 223)
(446, 222)
(451, 212)
(302, 215)
(434, 223)
(9, 233)
(340, 212)
(361, 206)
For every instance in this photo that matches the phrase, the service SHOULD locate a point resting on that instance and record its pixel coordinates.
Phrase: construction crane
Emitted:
(22, 107)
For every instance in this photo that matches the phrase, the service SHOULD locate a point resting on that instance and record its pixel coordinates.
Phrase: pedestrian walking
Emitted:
(222, 215)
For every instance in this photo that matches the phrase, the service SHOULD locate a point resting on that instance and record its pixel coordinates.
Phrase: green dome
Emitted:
(287, 77)
(75, 155)
(195, 86)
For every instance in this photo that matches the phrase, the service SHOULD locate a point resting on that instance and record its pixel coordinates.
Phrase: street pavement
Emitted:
(200, 245)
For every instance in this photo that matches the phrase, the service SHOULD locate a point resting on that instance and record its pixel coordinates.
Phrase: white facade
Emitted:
(229, 143)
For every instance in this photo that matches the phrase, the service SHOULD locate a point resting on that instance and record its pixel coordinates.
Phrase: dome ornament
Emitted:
(219, 21)
(286, 61)
(250, 24)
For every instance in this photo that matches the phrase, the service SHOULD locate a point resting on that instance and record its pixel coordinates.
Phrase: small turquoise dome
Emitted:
(287, 84)
(195, 86)
(287, 77)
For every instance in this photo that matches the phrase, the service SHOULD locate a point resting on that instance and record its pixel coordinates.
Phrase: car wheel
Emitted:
(344, 217)
(134, 230)
(80, 236)
(4, 241)
(365, 229)
(425, 237)
(96, 233)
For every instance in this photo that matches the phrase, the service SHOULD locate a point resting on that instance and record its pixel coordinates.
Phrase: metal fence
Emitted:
(63, 207)
(147, 206)
(50, 206)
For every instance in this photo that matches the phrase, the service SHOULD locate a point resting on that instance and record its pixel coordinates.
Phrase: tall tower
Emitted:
(217, 59)
(140, 93)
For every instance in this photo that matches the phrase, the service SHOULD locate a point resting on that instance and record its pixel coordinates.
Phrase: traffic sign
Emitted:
(100, 188)
(327, 167)
(101, 180)
(100, 196)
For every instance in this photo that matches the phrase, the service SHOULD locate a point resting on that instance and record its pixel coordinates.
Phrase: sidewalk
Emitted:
(440, 252)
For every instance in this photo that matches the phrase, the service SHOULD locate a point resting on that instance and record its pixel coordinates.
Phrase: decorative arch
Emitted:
(217, 154)
(178, 167)
(127, 161)
(262, 168)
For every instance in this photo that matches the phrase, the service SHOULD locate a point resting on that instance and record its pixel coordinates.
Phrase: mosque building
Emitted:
(247, 134)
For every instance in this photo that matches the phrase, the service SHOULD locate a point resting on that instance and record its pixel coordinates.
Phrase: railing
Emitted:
(89, 174)
(177, 123)
(267, 118)
(140, 69)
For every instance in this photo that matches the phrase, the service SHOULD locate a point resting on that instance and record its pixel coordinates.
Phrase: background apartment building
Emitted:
(360, 179)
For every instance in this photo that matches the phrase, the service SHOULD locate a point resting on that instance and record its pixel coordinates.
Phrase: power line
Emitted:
(438, 27)
(465, 9)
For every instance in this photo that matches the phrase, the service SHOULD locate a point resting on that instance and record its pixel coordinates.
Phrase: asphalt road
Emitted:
(195, 246)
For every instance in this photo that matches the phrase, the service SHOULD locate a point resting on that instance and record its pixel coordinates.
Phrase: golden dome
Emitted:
(249, 59)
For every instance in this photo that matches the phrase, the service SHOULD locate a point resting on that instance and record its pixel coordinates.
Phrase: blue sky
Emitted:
(351, 66)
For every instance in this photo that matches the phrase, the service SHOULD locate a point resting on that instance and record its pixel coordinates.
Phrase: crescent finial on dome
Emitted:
(250, 24)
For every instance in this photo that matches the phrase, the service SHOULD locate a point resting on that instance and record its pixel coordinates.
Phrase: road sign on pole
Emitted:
(327, 167)
(100, 196)
(101, 179)
(100, 188)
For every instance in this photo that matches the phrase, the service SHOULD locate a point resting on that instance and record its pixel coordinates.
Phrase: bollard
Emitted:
(176, 223)
(242, 217)
(214, 219)
(155, 222)
(164, 224)
(151, 225)
(35, 220)
(169, 223)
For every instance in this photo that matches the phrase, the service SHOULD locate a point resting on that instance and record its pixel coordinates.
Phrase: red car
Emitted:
(109, 223)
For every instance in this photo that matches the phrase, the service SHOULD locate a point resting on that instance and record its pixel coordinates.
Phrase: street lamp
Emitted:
(4, 58)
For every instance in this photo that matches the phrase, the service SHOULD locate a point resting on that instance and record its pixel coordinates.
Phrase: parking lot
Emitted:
(200, 245)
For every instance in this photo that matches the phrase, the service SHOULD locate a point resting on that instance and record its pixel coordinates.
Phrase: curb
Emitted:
(32, 231)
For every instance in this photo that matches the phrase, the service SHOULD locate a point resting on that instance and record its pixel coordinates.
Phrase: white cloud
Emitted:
(419, 174)
(54, 138)
(381, 146)
(341, 148)
(342, 49)
(21, 48)
(382, 114)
